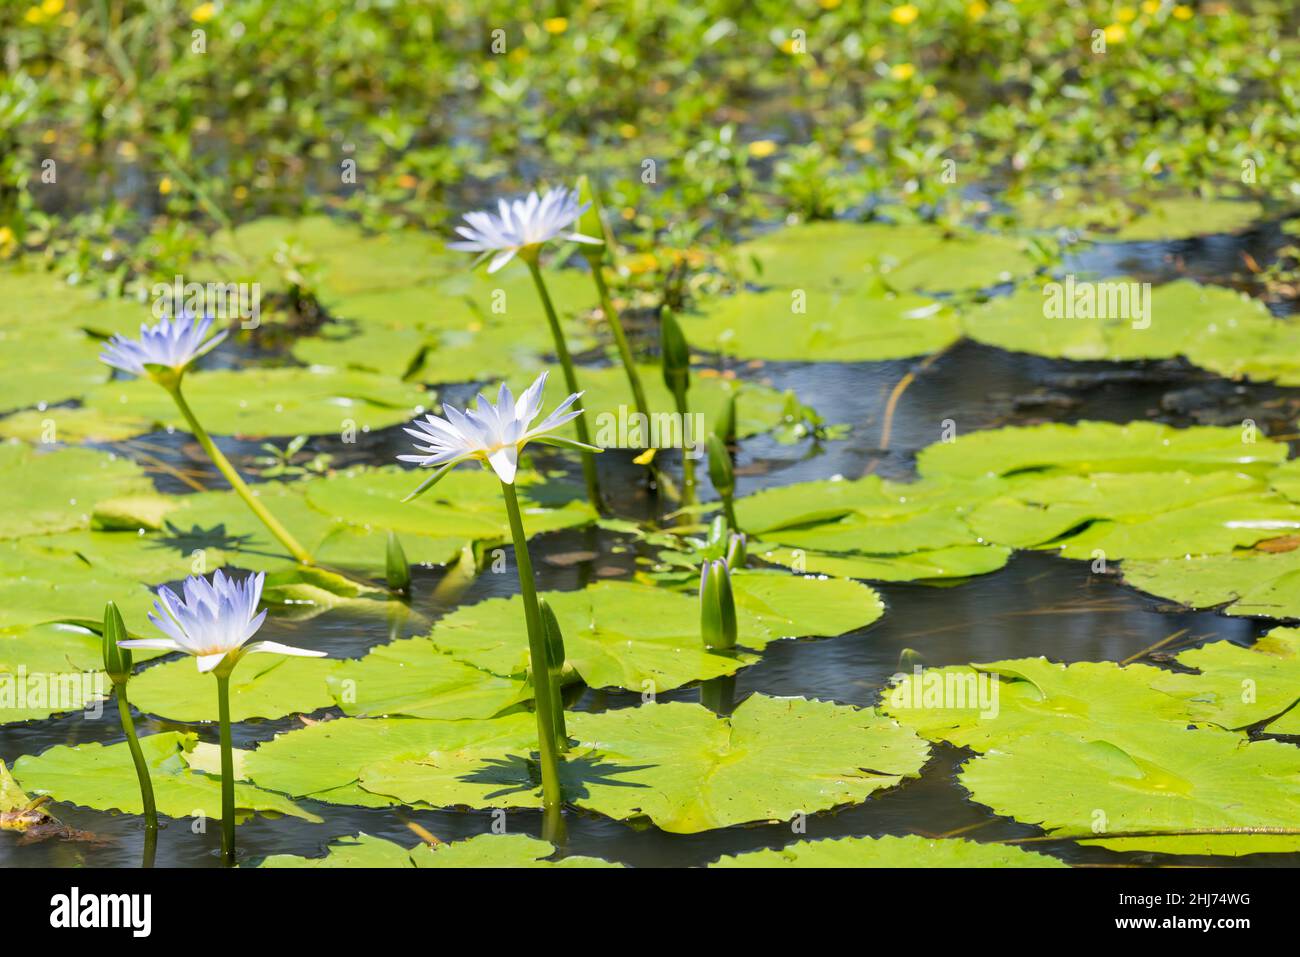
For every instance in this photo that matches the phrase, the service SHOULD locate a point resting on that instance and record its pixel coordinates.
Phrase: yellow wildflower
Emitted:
(761, 149)
(902, 71)
(555, 25)
(905, 14)
(203, 12)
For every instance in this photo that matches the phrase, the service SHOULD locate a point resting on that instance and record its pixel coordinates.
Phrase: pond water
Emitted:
(1037, 605)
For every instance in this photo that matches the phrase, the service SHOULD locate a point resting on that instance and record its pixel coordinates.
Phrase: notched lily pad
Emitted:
(909, 851)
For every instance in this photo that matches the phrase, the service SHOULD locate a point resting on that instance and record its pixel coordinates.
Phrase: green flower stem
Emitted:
(620, 339)
(552, 799)
(688, 463)
(141, 769)
(223, 465)
(227, 773)
(570, 379)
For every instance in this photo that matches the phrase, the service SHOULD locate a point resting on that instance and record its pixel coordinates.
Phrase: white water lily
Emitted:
(213, 622)
(172, 344)
(492, 434)
(522, 225)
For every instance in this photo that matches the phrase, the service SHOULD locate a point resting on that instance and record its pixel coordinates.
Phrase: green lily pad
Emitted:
(639, 637)
(1218, 329)
(1182, 216)
(1166, 779)
(986, 706)
(823, 324)
(960, 561)
(56, 491)
(70, 425)
(909, 851)
(680, 765)
(411, 677)
(481, 850)
(263, 686)
(1238, 687)
(270, 402)
(871, 528)
(851, 255)
(39, 587)
(49, 669)
(1247, 583)
(1089, 447)
(323, 761)
(104, 778)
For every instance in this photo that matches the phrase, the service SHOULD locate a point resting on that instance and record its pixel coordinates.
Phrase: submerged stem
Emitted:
(570, 380)
(227, 773)
(552, 798)
(223, 465)
(137, 756)
(620, 339)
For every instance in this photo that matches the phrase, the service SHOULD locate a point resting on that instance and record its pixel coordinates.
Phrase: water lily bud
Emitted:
(554, 638)
(555, 666)
(117, 660)
(717, 533)
(675, 353)
(399, 570)
(727, 421)
(717, 606)
(592, 222)
(720, 472)
(736, 550)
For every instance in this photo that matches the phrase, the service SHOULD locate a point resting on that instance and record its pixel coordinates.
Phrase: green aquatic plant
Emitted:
(495, 435)
(213, 624)
(164, 353)
(522, 228)
(719, 630)
(723, 476)
(117, 665)
(675, 355)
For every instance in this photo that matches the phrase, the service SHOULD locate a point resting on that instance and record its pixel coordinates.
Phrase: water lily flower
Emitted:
(213, 622)
(169, 348)
(491, 434)
(522, 226)
(165, 353)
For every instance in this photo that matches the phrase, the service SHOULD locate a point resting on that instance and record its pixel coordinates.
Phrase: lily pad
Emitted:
(411, 677)
(681, 766)
(823, 324)
(324, 761)
(1181, 216)
(104, 778)
(270, 402)
(1165, 779)
(639, 637)
(56, 491)
(851, 255)
(960, 561)
(988, 705)
(38, 587)
(1238, 687)
(909, 851)
(1089, 447)
(481, 850)
(1250, 583)
(263, 686)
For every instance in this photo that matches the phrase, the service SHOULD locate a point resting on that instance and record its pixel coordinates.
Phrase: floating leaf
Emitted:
(680, 765)
(909, 851)
(481, 850)
(1165, 779)
(1238, 687)
(57, 491)
(270, 402)
(104, 778)
(411, 677)
(1250, 583)
(1089, 447)
(1181, 216)
(263, 686)
(823, 324)
(620, 634)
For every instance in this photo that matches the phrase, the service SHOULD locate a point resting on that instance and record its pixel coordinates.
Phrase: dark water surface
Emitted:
(1037, 605)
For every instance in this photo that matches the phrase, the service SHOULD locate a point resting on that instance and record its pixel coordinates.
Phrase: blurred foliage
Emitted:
(167, 121)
